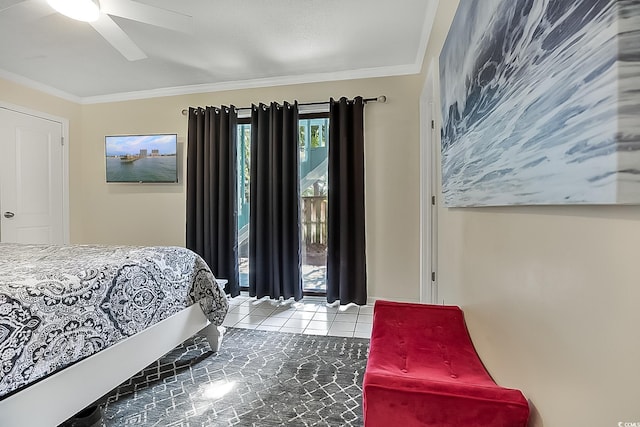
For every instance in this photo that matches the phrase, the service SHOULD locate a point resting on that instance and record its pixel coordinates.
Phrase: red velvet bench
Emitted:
(424, 371)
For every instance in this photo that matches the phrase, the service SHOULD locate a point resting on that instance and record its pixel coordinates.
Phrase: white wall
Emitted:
(551, 296)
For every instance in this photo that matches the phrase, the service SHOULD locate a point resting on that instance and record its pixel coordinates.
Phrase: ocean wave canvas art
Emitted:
(541, 103)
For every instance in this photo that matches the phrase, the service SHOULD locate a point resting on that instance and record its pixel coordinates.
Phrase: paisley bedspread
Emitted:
(60, 304)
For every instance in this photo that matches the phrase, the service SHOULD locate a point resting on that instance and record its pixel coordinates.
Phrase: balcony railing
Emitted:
(314, 220)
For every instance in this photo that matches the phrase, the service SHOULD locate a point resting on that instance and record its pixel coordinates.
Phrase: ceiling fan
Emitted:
(97, 13)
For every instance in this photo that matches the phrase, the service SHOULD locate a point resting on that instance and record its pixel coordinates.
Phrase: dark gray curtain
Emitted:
(274, 216)
(212, 213)
(346, 254)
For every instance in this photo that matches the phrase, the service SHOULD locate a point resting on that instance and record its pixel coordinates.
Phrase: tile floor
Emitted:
(311, 315)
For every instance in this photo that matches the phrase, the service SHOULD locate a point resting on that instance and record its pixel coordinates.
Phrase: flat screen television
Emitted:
(142, 158)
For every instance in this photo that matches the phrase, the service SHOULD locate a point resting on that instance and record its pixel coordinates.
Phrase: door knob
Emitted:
(9, 214)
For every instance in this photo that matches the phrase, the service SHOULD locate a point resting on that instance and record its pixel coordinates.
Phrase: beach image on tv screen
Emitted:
(141, 158)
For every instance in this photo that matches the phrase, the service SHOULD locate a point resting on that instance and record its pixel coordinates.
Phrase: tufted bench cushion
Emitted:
(424, 371)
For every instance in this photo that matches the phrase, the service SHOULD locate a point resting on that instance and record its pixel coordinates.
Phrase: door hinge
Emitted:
(62, 140)
(433, 124)
(433, 276)
(433, 200)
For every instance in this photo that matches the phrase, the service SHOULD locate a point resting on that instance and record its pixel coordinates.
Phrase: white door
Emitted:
(31, 179)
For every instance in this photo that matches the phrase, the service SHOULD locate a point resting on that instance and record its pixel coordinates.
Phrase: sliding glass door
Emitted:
(313, 145)
(244, 158)
(313, 140)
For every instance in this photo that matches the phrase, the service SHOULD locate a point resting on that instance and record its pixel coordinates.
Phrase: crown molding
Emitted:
(32, 84)
(256, 83)
(218, 87)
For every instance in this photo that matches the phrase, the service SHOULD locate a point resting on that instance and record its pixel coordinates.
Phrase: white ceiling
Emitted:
(234, 44)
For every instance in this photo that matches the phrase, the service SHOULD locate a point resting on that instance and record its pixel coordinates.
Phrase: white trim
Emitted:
(16, 78)
(397, 70)
(428, 212)
(64, 123)
(56, 398)
(434, 176)
(256, 83)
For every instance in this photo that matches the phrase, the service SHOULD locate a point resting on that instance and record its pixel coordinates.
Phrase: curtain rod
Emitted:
(381, 99)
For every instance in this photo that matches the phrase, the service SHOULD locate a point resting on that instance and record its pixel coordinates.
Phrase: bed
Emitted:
(76, 321)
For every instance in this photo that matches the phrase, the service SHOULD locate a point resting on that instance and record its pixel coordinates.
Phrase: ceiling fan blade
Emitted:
(117, 38)
(148, 14)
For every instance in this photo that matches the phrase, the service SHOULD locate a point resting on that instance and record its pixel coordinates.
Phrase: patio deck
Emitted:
(313, 276)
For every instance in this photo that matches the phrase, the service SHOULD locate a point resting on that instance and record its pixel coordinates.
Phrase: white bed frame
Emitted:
(56, 398)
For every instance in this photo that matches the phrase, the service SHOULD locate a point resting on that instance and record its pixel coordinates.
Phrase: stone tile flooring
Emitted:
(311, 316)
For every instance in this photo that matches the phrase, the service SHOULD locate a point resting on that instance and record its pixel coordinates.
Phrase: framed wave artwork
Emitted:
(541, 103)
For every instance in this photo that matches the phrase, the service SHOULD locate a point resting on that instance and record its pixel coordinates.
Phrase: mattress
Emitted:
(61, 304)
